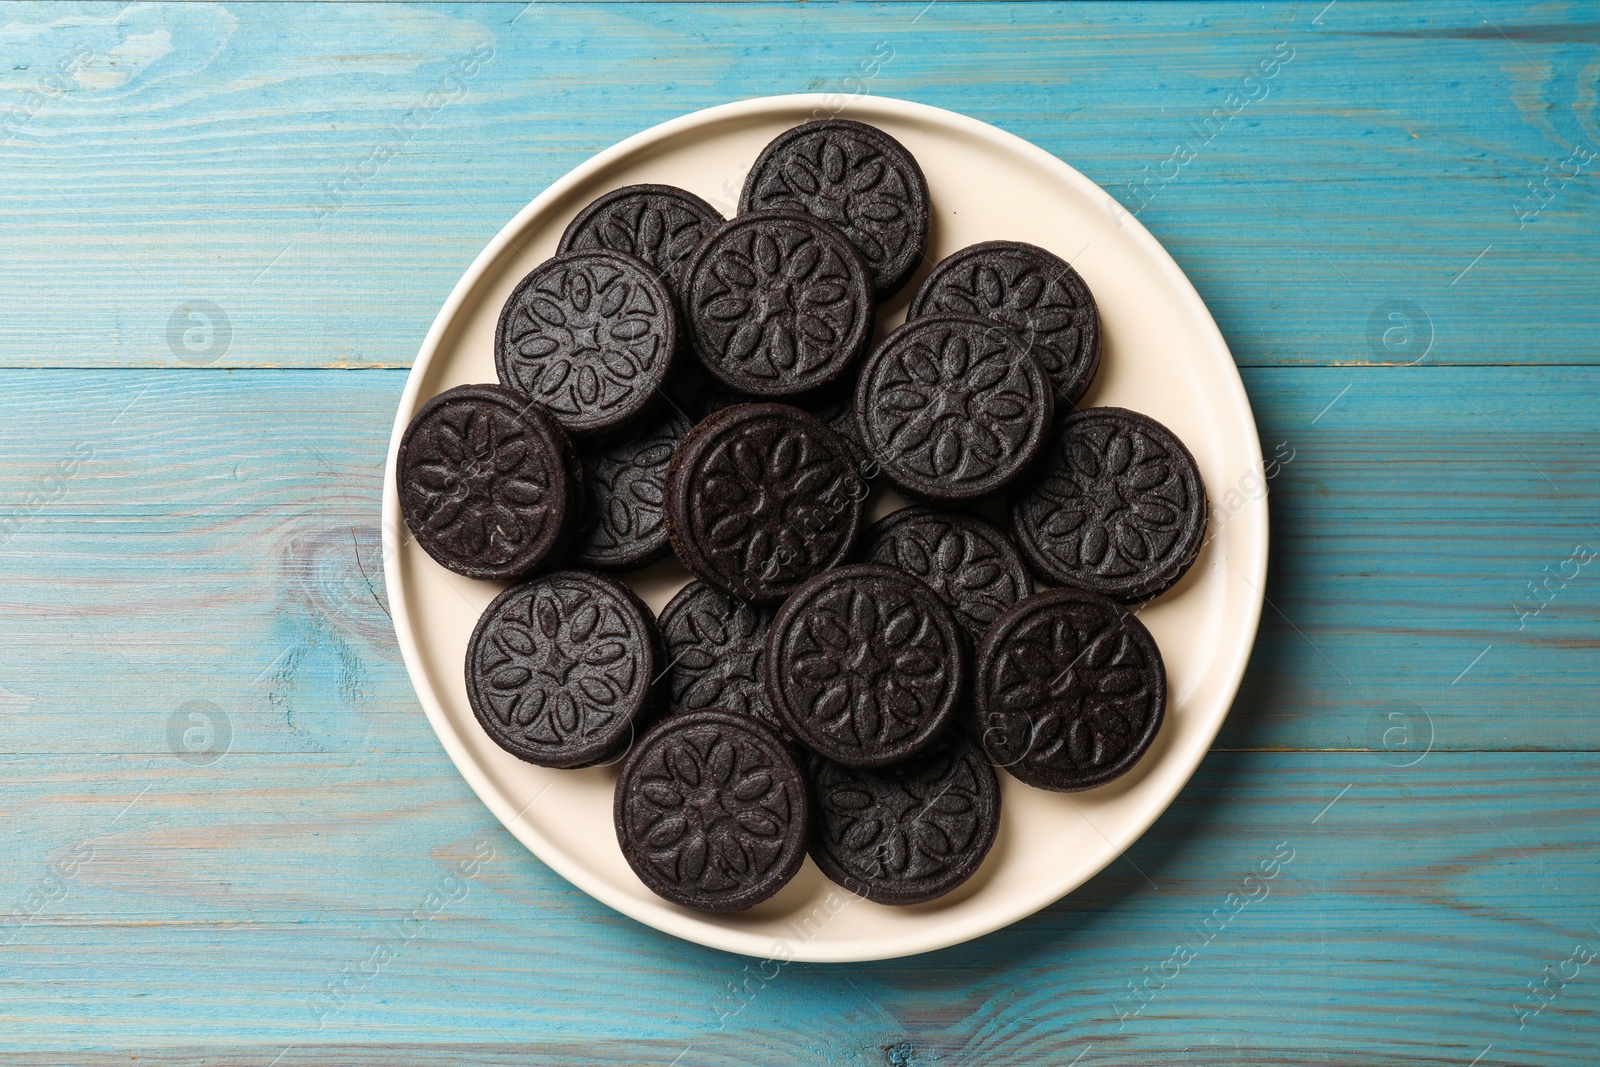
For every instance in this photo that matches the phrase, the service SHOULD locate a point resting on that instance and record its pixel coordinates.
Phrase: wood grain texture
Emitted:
(1401, 925)
(190, 547)
(215, 535)
(323, 174)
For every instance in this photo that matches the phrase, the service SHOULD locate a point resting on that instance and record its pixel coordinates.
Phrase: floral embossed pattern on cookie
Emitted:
(716, 645)
(855, 177)
(673, 379)
(952, 407)
(865, 665)
(489, 485)
(909, 834)
(1116, 507)
(711, 811)
(761, 497)
(562, 667)
(777, 304)
(1070, 690)
(1035, 294)
(967, 560)
(625, 482)
(659, 224)
(590, 335)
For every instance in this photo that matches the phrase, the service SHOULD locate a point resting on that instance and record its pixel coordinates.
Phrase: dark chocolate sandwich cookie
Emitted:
(1070, 690)
(839, 413)
(711, 811)
(967, 560)
(590, 335)
(561, 669)
(715, 647)
(1034, 293)
(907, 834)
(855, 177)
(659, 224)
(625, 481)
(694, 393)
(713, 399)
(761, 497)
(489, 484)
(1117, 506)
(778, 304)
(952, 407)
(865, 665)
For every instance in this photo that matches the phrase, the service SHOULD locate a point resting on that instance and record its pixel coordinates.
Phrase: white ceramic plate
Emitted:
(1163, 355)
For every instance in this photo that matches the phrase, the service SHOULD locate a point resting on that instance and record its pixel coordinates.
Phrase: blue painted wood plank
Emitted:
(215, 538)
(214, 535)
(1402, 922)
(1433, 539)
(325, 186)
(196, 543)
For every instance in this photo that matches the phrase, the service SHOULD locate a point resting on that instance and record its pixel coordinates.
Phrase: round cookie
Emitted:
(839, 413)
(855, 177)
(1116, 506)
(1070, 690)
(777, 304)
(693, 393)
(761, 497)
(625, 481)
(833, 406)
(712, 399)
(660, 225)
(953, 408)
(865, 665)
(590, 335)
(715, 646)
(908, 834)
(711, 811)
(489, 484)
(561, 669)
(965, 559)
(1035, 294)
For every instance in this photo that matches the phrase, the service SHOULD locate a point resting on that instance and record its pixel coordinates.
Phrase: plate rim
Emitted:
(1253, 515)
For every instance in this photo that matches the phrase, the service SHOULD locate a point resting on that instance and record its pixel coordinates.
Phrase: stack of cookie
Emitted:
(672, 379)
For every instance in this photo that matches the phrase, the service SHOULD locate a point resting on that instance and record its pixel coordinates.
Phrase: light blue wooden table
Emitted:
(224, 230)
